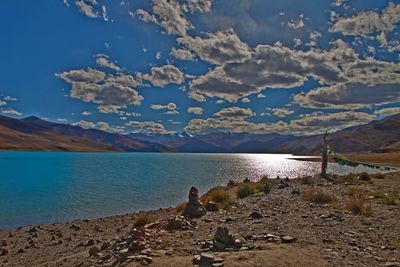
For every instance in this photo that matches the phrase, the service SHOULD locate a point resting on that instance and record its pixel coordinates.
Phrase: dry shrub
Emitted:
(317, 195)
(248, 189)
(143, 220)
(390, 198)
(352, 191)
(232, 183)
(220, 197)
(365, 176)
(357, 205)
(180, 207)
(307, 180)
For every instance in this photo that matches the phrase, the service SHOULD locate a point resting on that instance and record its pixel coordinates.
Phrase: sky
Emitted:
(201, 66)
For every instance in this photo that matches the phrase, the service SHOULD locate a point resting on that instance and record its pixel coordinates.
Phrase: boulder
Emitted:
(222, 239)
(211, 206)
(194, 209)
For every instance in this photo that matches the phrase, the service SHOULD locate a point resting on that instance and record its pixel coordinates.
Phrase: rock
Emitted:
(20, 251)
(89, 243)
(93, 251)
(211, 206)
(287, 239)
(3, 251)
(32, 230)
(193, 208)
(75, 227)
(295, 191)
(267, 189)
(179, 223)
(206, 259)
(222, 239)
(136, 246)
(256, 215)
(4, 243)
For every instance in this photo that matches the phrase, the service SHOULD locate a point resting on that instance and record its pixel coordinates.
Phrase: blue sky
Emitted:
(201, 65)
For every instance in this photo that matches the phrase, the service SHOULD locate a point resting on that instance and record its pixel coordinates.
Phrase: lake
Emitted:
(38, 188)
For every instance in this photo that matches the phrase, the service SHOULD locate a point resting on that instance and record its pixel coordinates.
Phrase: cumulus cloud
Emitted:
(217, 48)
(182, 54)
(170, 108)
(10, 111)
(161, 76)
(296, 24)
(235, 112)
(349, 96)
(104, 61)
(147, 127)
(281, 67)
(104, 126)
(309, 124)
(2, 103)
(369, 22)
(85, 124)
(168, 14)
(91, 9)
(108, 91)
(202, 6)
(245, 100)
(387, 112)
(282, 112)
(195, 110)
(86, 113)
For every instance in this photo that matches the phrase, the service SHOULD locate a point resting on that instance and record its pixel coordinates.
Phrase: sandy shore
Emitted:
(285, 230)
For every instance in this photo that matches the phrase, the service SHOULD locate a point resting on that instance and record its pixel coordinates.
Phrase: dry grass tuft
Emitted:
(317, 195)
(391, 198)
(248, 189)
(220, 197)
(357, 205)
(143, 220)
(365, 176)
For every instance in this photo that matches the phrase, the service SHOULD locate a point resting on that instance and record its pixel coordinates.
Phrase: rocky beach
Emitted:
(348, 220)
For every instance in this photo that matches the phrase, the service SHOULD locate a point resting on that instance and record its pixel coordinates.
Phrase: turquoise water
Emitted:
(56, 187)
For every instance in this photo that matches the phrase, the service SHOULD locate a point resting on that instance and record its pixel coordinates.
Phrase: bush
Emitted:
(365, 176)
(356, 204)
(231, 183)
(143, 220)
(306, 180)
(220, 197)
(317, 195)
(248, 189)
(180, 207)
(379, 176)
(390, 198)
(352, 191)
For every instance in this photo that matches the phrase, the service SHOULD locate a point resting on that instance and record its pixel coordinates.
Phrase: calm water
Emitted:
(56, 187)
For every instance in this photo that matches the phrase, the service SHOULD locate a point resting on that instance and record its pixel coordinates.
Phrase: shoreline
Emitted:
(37, 245)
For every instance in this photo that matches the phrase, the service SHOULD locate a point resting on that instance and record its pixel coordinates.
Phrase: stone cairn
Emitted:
(194, 209)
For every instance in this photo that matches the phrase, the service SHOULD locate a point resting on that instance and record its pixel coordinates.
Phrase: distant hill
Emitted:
(35, 134)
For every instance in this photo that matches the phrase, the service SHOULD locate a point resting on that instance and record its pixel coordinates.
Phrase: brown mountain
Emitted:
(34, 134)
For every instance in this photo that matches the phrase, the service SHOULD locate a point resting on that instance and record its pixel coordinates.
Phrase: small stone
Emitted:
(211, 206)
(287, 239)
(256, 215)
(93, 251)
(267, 189)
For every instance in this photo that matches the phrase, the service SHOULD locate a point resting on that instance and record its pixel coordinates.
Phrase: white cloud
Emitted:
(2, 103)
(235, 112)
(217, 48)
(387, 112)
(349, 96)
(282, 112)
(182, 54)
(104, 126)
(86, 113)
(161, 76)
(196, 110)
(107, 91)
(202, 6)
(10, 111)
(245, 100)
(104, 61)
(366, 23)
(147, 127)
(171, 108)
(85, 124)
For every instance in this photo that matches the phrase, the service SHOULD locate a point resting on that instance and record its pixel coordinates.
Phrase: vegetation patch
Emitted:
(143, 220)
(357, 205)
(364, 176)
(248, 189)
(220, 197)
(317, 195)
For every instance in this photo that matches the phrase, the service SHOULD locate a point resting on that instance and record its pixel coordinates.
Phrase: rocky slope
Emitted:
(275, 229)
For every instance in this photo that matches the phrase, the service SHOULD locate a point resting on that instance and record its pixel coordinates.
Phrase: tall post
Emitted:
(324, 155)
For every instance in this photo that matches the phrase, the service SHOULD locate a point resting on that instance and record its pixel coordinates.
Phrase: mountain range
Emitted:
(35, 134)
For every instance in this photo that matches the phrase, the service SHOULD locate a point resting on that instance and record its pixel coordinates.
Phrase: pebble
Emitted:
(256, 215)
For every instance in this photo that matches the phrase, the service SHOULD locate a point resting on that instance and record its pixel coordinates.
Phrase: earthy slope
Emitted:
(34, 134)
